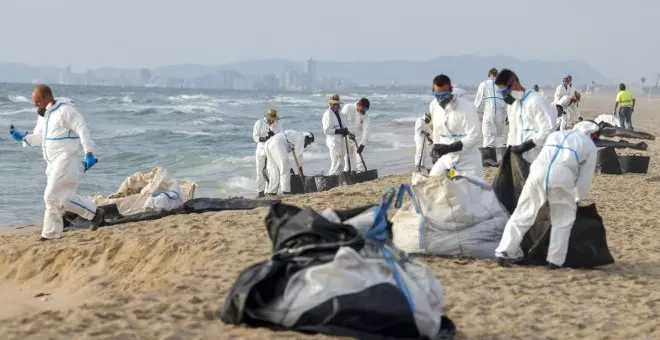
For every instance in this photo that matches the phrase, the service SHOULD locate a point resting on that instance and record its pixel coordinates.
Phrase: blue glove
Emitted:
(89, 161)
(17, 134)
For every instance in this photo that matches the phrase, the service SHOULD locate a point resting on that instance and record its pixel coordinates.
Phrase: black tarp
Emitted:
(587, 247)
(195, 205)
(620, 144)
(608, 130)
(303, 238)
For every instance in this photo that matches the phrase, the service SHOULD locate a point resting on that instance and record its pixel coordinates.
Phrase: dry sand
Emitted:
(167, 279)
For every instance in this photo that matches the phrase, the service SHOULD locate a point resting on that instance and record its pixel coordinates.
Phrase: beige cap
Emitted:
(334, 99)
(271, 114)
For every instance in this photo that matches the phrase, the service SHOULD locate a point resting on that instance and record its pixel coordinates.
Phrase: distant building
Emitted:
(310, 74)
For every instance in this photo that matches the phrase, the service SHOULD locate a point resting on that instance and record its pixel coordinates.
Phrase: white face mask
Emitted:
(517, 94)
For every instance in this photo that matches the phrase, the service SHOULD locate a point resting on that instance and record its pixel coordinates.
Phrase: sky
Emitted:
(616, 37)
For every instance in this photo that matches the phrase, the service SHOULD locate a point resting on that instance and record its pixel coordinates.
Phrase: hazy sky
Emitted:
(617, 37)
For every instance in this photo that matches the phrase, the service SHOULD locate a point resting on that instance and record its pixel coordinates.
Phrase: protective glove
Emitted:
(271, 133)
(18, 135)
(351, 136)
(291, 171)
(440, 150)
(429, 140)
(360, 148)
(342, 131)
(506, 121)
(263, 139)
(89, 161)
(426, 134)
(524, 147)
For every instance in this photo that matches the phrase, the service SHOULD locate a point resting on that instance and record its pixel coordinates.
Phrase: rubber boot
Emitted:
(261, 194)
(271, 194)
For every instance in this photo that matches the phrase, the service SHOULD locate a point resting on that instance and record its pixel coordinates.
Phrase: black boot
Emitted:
(97, 221)
(261, 194)
(271, 194)
(286, 193)
(553, 266)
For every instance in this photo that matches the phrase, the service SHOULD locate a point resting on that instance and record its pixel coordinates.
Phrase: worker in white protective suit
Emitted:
(455, 134)
(529, 116)
(564, 89)
(263, 130)
(60, 131)
(422, 137)
(277, 150)
(569, 107)
(561, 175)
(357, 122)
(489, 100)
(336, 134)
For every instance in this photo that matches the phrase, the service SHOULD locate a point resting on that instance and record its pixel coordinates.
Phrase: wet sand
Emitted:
(167, 279)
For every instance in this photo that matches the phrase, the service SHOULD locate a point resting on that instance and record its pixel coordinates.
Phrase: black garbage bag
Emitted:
(510, 178)
(587, 245)
(302, 240)
(620, 144)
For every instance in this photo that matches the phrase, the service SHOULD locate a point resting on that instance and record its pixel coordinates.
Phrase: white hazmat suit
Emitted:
(561, 91)
(560, 175)
(570, 110)
(335, 142)
(358, 124)
(457, 122)
(421, 150)
(493, 123)
(277, 150)
(60, 133)
(530, 119)
(260, 132)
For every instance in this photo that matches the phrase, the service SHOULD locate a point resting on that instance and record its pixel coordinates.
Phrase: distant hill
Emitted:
(464, 70)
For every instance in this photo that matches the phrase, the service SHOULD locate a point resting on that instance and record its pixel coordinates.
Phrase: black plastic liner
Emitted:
(587, 247)
(620, 144)
(195, 205)
(303, 238)
(608, 130)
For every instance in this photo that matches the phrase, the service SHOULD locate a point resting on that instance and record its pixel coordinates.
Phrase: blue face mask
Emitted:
(442, 95)
(504, 91)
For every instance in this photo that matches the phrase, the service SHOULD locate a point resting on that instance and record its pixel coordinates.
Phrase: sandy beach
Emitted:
(167, 279)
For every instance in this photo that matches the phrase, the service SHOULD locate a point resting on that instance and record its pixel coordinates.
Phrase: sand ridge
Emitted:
(167, 279)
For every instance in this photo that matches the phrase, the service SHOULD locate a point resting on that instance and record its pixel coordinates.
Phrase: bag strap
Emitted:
(379, 227)
(406, 189)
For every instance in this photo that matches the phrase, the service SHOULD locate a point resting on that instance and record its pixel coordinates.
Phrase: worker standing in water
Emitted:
(528, 114)
(422, 136)
(561, 176)
(357, 121)
(263, 130)
(493, 123)
(335, 134)
(456, 132)
(60, 132)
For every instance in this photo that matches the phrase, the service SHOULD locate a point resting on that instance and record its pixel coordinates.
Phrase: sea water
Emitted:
(200, 135)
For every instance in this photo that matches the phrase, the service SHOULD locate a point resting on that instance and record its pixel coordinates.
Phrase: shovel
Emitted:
(360, 154)
(302, 178)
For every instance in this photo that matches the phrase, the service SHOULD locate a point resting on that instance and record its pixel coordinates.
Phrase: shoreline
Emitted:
(168, 278)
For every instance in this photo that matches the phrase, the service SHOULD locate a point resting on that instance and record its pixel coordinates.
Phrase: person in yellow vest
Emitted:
(626, 104)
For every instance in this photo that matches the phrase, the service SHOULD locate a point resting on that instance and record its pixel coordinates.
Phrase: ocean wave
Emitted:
(186, 97)
(207, 120)
(17, 99)
(404, 120)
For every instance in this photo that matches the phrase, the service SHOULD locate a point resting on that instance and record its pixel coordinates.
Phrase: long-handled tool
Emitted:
(300, 173)
(360, 154)
(421, 158)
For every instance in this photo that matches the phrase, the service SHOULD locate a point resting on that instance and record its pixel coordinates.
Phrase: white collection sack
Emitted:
(448, 216)
(152, 191)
